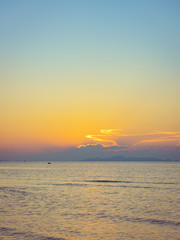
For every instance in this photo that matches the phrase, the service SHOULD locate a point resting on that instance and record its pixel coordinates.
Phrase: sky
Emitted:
(90, 78)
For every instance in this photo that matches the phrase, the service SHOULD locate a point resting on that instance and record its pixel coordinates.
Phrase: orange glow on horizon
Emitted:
(116, 138)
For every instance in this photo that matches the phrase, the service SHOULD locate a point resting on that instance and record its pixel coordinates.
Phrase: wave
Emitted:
(12, 232)
(145, 220)
(108, 181)
(118, 181)
(155, 221)
(21, 192)
(114, 183)
(69, 184)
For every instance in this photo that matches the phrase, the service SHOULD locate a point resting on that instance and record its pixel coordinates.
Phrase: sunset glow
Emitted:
(116, 138)
(89, 73)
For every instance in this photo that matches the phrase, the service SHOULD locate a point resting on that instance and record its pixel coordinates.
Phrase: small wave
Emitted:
(162, 222)
(68, 184)
(12, 232)
(129, 183)
(118, 181)
(108, 181)
(20, 192)
(161, 183)
(154, 221)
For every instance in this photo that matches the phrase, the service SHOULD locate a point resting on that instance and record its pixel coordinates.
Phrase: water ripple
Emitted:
(118, 181)
(12, 232)
(108, 181)
(155, 221)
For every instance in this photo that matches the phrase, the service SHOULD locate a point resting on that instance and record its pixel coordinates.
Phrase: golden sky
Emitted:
(70, 70)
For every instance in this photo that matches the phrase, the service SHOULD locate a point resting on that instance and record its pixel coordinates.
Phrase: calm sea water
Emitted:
(89, 201)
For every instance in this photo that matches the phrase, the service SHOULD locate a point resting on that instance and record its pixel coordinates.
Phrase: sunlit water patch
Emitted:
(89, 201)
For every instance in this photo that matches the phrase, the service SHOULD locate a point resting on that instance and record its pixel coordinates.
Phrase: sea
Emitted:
(89, 201)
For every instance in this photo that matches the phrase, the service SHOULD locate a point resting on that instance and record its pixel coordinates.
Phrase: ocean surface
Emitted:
(89, 201)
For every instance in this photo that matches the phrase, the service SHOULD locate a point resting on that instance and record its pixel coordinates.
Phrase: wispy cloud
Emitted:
(117, 140)
(104, 136)
(160, 138)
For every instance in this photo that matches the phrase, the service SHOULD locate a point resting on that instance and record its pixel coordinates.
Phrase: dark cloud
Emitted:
(116, 148)
(161, 145)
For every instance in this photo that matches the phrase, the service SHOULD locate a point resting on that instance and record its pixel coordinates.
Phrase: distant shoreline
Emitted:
(101, 160)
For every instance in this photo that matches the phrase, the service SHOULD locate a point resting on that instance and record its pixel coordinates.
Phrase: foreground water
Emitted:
(89, 201)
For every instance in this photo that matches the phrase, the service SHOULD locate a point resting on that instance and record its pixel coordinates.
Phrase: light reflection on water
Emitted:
(89, 201)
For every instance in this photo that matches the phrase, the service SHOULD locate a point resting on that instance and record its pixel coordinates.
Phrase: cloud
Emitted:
(116, 148)
(102, 137)
(116, 139)
(160, 139)
(113, 142)
(102, 147)
(107, 143)
(97, 150)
